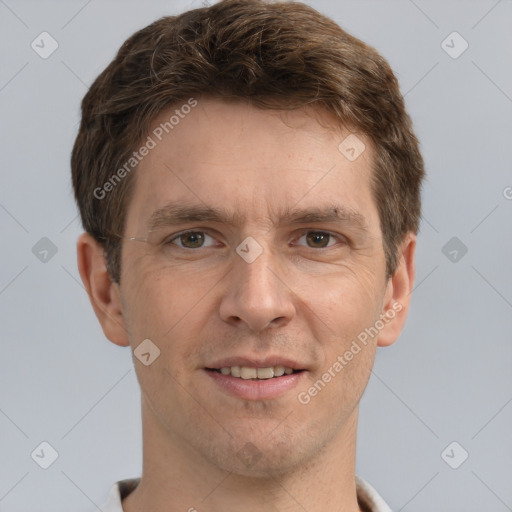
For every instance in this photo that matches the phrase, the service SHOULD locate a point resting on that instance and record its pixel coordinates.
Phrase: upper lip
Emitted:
(254, 362)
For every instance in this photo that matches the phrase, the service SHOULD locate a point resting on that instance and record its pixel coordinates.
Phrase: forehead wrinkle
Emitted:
(177, 213)
(333, 212)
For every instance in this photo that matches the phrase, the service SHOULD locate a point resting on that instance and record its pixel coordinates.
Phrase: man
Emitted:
(249, 184)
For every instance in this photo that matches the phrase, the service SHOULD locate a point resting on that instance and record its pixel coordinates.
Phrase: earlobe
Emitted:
(103, 293)
(398, 293)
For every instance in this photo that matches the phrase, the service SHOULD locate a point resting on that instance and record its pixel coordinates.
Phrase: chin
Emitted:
(257, 456)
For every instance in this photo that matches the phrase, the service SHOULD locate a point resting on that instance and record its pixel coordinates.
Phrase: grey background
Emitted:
(447, 379)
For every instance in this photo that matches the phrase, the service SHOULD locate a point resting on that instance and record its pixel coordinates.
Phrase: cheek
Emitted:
(170, 311)
(159, 302)
(352, 296)
(348, 352)
(346, 308)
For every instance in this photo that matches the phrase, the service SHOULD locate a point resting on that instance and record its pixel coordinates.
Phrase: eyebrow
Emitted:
(178, 213)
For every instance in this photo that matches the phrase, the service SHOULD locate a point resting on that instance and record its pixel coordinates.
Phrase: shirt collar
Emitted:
(368, 498)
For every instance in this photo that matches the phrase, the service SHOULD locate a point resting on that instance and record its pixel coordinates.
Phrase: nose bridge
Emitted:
(255, 295)
(254, 275)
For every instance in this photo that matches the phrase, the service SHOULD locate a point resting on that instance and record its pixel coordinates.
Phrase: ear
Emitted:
(103, 293)
(398, 293)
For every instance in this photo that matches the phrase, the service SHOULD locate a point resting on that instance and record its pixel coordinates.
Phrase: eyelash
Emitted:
(341, 239)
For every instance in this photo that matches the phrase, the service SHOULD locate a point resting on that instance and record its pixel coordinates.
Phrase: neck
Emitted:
(176, 477)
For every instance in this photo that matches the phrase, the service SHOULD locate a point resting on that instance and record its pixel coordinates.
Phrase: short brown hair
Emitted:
(274, 55)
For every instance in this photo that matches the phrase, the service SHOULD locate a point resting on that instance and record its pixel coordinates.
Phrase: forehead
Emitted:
(240, 158)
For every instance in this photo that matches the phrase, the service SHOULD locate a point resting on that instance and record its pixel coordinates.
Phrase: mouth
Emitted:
(255, 382)
(255, 373)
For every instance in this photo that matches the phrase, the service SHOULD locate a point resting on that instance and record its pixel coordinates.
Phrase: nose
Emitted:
(257, 296)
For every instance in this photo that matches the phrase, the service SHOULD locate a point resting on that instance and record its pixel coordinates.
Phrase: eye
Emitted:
(319, 239)
(191, 240)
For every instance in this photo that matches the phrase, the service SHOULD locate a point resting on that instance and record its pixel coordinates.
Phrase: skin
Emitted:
(298, 299)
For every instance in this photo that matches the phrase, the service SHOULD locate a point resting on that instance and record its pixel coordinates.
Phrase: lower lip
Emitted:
(264, 389)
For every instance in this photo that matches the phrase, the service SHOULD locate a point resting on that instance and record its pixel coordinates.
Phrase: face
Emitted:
(256, 244)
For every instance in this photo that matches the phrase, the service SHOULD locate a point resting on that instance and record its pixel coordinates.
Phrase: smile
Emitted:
(247, 372)
(250, 383)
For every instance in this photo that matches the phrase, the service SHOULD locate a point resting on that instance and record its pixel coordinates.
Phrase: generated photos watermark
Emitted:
(151, 142)
(305, 397)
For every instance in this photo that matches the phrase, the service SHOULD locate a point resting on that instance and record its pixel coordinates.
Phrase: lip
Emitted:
(266, 389)
(254, 362)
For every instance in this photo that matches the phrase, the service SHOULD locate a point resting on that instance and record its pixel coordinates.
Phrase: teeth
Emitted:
(265, 373)
(279, 370)
(246, 372)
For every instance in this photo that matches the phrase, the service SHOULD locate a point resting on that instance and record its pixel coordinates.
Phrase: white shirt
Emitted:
(368, 498)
